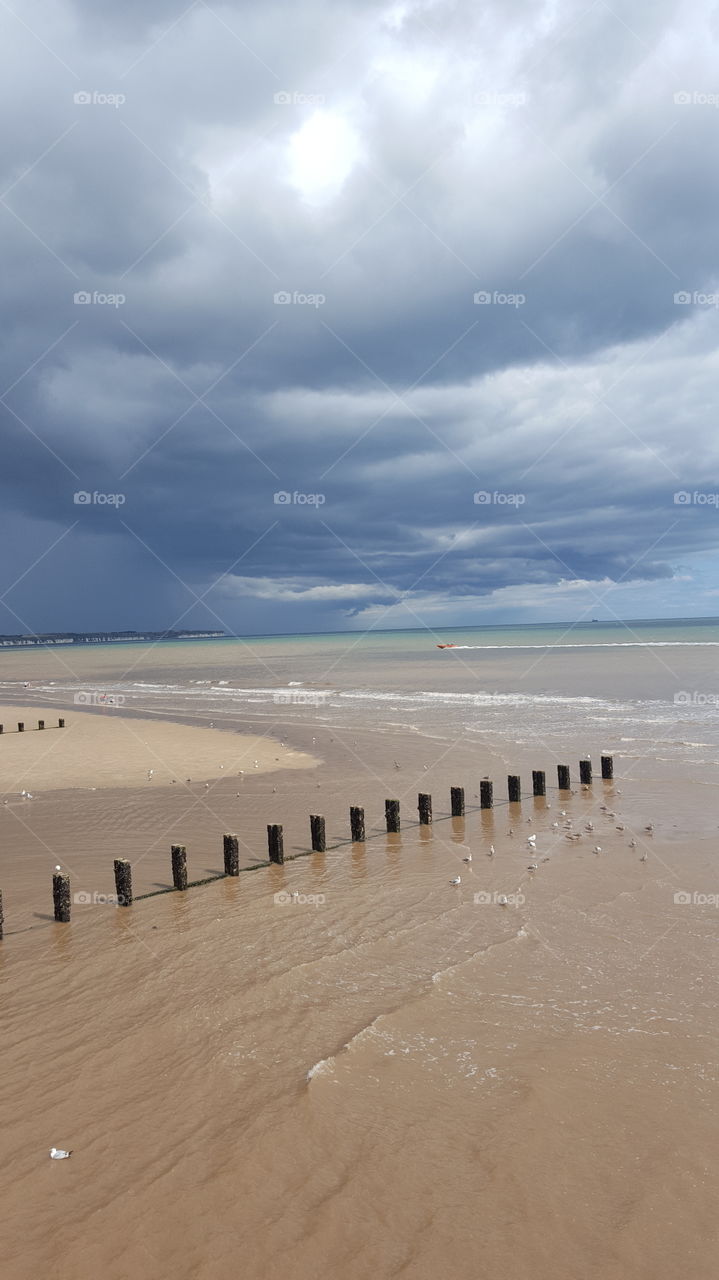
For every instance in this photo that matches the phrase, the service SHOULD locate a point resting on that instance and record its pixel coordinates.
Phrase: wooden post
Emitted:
(41, 724)
(2, 917)
(275, 843)
(61, 724)
(563, 777)
(231, 853)
(424, 804)
(607, 767)
(391, 813)
(514, 787)
(179, 866)
(61, 897)
(21, 726)
(457, 801)
(486, 795)
(585, 771)
(357, 824)
(317, 829)
(123, 882)
(539, 782)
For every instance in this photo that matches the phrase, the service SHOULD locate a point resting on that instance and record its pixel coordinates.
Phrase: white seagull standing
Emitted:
(456, 880)
(57, 1153)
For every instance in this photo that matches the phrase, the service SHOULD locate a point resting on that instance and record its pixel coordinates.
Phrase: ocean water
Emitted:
(351, 1064)
(639, 686)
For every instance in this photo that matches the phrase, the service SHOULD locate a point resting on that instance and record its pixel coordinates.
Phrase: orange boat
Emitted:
(446, 646)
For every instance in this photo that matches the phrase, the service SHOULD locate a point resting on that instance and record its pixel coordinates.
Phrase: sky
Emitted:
(358, 314)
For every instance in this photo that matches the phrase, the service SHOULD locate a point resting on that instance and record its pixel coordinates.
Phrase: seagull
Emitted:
(58, 867)
(643, 858)
(491, 851)
(532, 866)
(397, 766)
(57, 1153)
(597, 848)
(468, 858)
(620, 828)
(632, 844)
(502, 901)
(562, 813)
(456, 880)
(649, 826)
(555, 826)
(589, 826)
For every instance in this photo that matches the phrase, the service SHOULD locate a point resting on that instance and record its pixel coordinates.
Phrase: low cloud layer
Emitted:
(358, 313)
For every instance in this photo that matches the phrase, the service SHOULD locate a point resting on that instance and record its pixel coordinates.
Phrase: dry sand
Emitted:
(111, 750)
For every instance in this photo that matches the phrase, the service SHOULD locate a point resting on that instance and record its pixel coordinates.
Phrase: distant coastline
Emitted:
(102, 637)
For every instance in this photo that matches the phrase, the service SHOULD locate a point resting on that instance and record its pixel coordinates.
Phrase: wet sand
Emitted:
(383, 1074)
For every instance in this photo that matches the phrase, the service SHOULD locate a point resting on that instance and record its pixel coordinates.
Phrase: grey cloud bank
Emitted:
(394, 161)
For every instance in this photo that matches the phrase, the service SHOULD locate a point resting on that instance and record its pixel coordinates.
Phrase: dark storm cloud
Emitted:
(537, 155)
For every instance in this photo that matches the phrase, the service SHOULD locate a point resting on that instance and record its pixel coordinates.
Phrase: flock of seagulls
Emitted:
(569, 835)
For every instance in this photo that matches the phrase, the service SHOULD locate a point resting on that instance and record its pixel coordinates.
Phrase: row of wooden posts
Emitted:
(40, 725)
(275, 838)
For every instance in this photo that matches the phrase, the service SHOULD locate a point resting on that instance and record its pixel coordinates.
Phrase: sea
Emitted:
(481, 1047)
